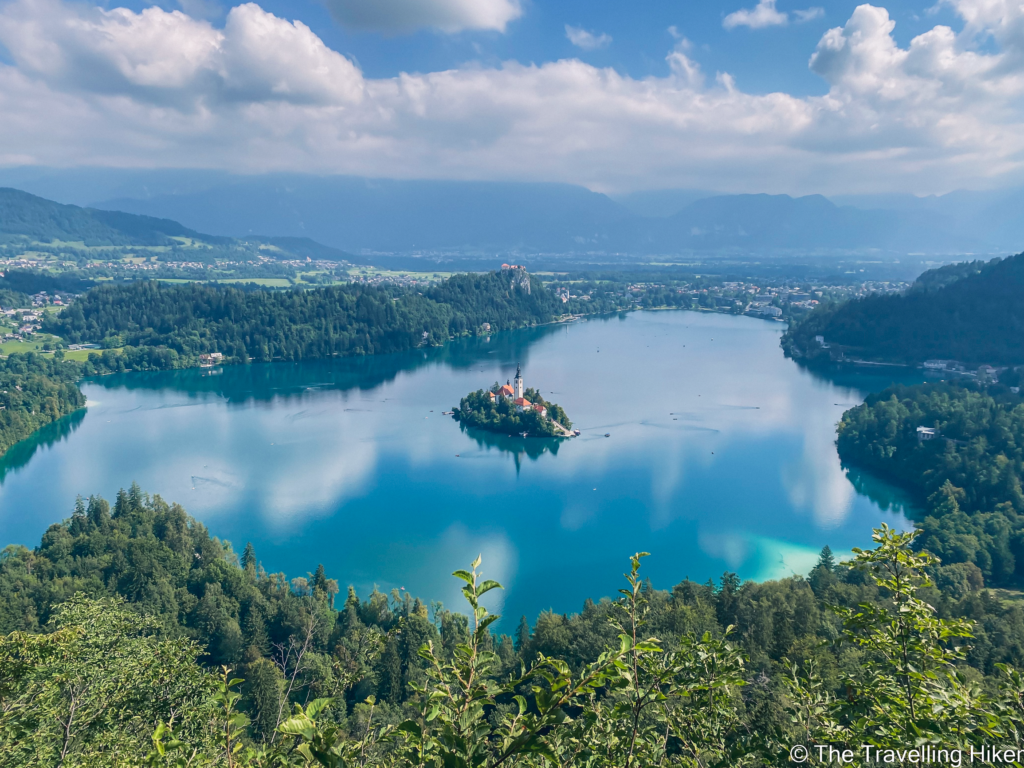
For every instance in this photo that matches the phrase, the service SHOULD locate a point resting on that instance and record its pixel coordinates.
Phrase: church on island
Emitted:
(507, 409)
(514, 390)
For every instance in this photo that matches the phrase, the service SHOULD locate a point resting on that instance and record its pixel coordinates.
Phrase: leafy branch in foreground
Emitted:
(90, 693)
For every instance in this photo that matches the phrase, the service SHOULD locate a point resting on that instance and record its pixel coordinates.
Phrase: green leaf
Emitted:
(487, 586)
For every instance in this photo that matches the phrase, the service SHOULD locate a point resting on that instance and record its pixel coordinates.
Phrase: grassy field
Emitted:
(81, 355)
(36, 345)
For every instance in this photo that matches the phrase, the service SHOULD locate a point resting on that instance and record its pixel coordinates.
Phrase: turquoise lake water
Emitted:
(721, 456)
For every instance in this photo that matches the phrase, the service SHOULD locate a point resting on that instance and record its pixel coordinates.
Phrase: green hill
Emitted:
(36, 219)
(969, 312)
(26, 219)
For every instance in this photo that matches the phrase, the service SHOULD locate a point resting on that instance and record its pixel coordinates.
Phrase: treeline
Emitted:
(972, 313)
(479, 410)
(967, 478)
(115, 622)
(261, 325)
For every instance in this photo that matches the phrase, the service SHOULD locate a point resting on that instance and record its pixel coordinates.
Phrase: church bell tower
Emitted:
(518, 384)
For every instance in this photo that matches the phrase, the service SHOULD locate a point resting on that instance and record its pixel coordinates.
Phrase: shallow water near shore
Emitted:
(721, 456)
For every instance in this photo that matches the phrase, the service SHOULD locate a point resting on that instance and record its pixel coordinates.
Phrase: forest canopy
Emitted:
(972, 312)
(967, 478)
(193, 318)
(112, 630)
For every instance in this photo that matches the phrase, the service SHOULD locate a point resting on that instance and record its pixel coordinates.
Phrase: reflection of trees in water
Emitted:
(864, 379)
(266, 381)
(18, 455)
(888, 497)
(531, 447)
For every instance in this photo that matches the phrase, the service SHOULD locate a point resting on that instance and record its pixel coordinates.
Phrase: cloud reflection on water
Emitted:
(721, 456)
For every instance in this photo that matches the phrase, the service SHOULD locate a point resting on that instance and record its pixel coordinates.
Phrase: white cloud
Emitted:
(170, 58)
(159, 88)
(809, 14)
(396, 16)
(765, 14)
(762, 15)
(588, 41)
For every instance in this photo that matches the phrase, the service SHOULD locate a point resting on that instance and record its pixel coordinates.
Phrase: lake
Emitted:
(720, 456)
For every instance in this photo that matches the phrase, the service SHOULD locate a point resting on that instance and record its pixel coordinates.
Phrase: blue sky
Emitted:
(738, 96)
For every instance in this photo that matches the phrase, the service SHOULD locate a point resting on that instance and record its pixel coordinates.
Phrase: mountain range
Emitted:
(385, 216)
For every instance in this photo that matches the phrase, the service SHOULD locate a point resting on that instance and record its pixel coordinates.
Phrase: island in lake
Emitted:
(510, 409)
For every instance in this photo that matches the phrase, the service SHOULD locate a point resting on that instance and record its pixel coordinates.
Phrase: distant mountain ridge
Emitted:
(368, 216)
(970, 312)
(519, 219)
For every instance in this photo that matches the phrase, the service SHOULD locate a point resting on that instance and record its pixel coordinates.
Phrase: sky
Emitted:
(730, 95)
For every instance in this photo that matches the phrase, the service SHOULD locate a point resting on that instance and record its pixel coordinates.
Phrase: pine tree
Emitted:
(98, 511)
(522, 635)
(319, 580)
(136, 497)
(350, 612)
(389, 675)
(263, 681)
(249, 557)
(826, 560)
(121, 504)
(255, 630)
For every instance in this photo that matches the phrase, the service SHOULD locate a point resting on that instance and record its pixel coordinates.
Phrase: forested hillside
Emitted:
(973, 313)
(968, 478)
(193, 319)
(34, 391)
(703, 674)
(38, 219)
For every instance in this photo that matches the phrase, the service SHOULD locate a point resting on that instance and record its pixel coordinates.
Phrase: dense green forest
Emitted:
(193, 319)
(114, 627)
(968, 479)
(29, 281)
(34, 391)
(17, 286)
(479, 410)
(969, 312)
